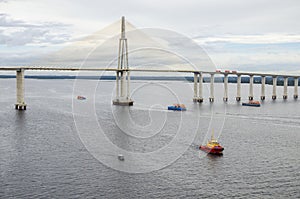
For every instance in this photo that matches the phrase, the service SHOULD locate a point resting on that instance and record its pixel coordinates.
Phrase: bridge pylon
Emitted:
(122, 74)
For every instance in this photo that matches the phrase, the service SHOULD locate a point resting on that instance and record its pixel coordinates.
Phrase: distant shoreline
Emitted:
(257, 80)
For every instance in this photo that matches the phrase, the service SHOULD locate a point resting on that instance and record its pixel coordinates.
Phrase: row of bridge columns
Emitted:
(198, 87)
(122, 96)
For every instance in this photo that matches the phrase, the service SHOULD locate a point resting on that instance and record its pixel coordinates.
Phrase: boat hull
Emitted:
(247, 104)
(213, 150)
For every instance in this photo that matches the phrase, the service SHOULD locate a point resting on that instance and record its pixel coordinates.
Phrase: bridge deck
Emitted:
(41, 68)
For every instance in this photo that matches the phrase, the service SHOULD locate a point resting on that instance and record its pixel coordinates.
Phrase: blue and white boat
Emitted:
(177, 107)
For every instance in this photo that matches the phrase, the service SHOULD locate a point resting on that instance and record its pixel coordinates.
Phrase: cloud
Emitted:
(5, 21)
(189, 17)
(234, 33)
(255, 57)
(250, 39)
(17, 32)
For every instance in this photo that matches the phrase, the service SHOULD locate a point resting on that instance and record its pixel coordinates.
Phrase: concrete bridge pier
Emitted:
(296, 88)
(251, 88)
(274, 88)
(195, 99)
(211, 96)
(123, 92)
(263, 85)
(20, 105)
(285, 85)
(200, 98)
(225, 98)
(238, 89)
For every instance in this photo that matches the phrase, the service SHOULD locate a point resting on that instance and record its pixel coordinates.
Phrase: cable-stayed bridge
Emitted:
(123, 71)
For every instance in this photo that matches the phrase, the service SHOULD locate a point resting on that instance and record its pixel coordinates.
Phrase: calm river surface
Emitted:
(47, 152)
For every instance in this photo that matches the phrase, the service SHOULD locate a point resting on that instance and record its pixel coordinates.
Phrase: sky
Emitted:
(256, 35)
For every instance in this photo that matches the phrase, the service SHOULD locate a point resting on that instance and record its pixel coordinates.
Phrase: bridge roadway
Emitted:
(41, 68)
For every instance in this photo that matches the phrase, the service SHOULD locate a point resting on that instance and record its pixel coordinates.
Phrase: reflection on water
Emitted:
(214, 156)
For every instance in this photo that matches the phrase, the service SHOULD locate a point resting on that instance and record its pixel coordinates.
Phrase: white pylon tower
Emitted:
(123, 76)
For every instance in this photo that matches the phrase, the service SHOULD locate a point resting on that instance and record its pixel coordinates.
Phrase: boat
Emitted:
(121, 157)
(251, 103)
(81, 97)
(177, 107)
(212, 146)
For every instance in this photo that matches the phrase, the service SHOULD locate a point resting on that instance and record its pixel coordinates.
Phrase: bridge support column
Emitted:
(20, 105)
(263, 85)
(274, 88)
(195, 99)
(238, 89)
(200, 99)
(225, 98)
(251, 88)
(123, 96)
(117, 85)
(296, 88)
(211, 96)
(123, 85)
(128, 85)
(285, 85)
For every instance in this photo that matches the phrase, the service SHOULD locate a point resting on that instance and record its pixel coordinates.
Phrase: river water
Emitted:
(54, 150)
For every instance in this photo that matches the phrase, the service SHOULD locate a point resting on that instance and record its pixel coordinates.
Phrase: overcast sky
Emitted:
(243, 35)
